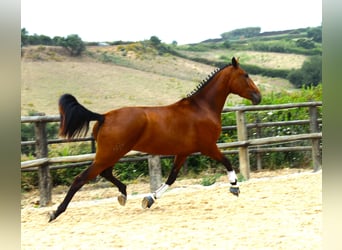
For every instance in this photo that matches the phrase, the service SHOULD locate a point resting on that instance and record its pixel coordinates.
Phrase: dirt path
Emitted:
(277, 212)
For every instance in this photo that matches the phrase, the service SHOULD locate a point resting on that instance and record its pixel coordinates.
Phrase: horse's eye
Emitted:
(246, 75)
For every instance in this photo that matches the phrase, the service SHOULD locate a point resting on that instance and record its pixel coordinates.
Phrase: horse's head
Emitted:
(242, 84)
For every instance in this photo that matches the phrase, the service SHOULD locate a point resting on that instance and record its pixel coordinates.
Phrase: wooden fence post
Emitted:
(243, 151)
(316, 152)
(258, 154)
(155, 172)
(45, 184)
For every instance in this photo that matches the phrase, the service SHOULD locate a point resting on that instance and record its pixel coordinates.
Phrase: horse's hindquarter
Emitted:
(121, 130)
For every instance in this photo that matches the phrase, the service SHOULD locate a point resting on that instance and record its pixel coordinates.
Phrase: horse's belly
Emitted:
(168, 146)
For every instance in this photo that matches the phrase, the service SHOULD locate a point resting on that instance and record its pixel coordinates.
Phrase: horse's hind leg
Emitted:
(91, 172)
(108, 175)
(79, 181)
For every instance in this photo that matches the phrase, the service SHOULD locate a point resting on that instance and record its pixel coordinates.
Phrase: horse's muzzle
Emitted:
(256, 98)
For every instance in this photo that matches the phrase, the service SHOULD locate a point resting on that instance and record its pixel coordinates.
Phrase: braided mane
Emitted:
(205, 82)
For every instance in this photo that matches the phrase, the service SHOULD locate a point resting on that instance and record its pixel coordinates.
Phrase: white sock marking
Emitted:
(159, 192)
(232, 176)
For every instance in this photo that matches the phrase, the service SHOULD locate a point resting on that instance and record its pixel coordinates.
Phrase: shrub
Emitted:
(315, 34)
(304, 46)
(305, 43)
(155, 41)
(309, 74)
(27, 134)
(29, 181)
(65, 176)
(74, 44)
(209, 180)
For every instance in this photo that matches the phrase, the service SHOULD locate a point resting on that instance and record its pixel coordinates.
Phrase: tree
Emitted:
(45, 40)
(155, 41)
(309, 74)
(227, 44)
(34, 40)
(24, 37)
(312, 70)
(315, 34)
(74, 44)
(296, 78)
(241, 33)
(57, 40)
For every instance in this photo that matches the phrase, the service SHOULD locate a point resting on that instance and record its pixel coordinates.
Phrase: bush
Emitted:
(74, 44)
(304, 46)
(128, 171)
(256, 70)
(310, 74)
(305, 43)
(65, 176)
(155, 41)
(315, 34)
(296, 77)
(209, 179)
(29, 181)
(27, 134)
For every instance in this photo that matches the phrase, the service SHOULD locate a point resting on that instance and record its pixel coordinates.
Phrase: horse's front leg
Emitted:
(177, 164)
(218, 156)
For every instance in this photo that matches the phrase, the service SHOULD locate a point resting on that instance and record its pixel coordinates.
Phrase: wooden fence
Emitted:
(43, 164)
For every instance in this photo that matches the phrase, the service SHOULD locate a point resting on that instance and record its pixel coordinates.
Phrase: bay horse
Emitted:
(192, 124)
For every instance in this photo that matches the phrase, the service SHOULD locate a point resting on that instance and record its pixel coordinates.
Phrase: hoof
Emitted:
(147, 202)
(122, 199)
(235, 190)
(52, 216)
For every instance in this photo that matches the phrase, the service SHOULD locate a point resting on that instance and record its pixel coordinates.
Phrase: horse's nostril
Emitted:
(256, 98)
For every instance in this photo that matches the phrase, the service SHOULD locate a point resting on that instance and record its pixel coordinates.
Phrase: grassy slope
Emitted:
(103, 86)
(156, 80)
(262, 59)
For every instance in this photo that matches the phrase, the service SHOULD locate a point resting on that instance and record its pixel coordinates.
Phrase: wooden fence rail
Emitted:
(245, 146)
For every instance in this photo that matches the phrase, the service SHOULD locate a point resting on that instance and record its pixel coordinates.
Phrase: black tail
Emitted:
(74, 117)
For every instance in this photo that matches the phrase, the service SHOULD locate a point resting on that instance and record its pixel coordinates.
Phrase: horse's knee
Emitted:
(226, 162)
(171, 179)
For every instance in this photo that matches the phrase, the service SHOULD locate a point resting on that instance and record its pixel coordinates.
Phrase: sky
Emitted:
(182, 21)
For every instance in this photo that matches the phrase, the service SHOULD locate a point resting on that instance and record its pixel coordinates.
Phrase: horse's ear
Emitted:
(235, 62)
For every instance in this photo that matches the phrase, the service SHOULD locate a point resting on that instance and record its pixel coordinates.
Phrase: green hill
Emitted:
(138, 73)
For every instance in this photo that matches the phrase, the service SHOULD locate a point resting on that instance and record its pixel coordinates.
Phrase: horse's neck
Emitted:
(213, 96)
